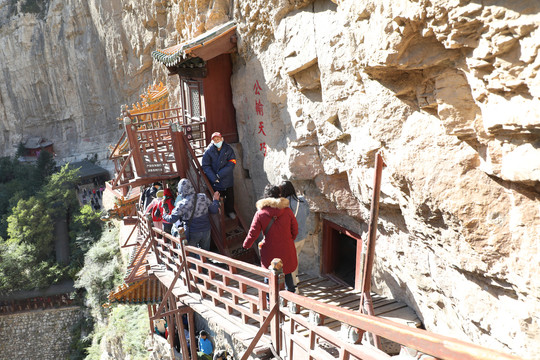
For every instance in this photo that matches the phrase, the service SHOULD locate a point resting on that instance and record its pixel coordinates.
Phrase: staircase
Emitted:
(166, 147)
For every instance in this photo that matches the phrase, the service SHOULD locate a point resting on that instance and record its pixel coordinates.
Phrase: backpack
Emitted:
(157, 212)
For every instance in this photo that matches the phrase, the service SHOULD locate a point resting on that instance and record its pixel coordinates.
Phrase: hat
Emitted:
(167, 192)
(159, 194)
(216, 134)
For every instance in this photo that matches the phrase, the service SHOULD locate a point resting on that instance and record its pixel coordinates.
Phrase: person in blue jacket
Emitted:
(193, 211)
(218, 164)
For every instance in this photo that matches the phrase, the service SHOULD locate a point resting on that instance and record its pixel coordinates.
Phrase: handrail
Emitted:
(441, 346)
(204, 278)
(122, 137)
(117, 178)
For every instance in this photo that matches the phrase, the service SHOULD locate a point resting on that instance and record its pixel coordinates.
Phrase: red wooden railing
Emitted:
(240, 288)
(151, 145)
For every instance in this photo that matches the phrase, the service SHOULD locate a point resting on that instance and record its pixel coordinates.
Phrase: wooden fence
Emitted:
(294, 323)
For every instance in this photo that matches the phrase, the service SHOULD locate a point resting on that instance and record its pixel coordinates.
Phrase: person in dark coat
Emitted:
(278, 240)
(168, 206)
(300, 209)
(218, 164)
(193, 211)
(149, 195)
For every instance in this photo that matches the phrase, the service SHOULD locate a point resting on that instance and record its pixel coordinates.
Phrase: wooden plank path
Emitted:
(319, 288)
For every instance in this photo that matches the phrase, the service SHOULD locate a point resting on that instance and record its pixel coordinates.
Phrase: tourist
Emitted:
(149, 195)
(193, 211)
(278, 224)
(300, 209)
(155, 209)
(218, 164)
(206, 349)
(167, 205)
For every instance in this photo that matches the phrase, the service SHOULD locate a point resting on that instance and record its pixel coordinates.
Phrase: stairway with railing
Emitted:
(292, 326)
(162, 147)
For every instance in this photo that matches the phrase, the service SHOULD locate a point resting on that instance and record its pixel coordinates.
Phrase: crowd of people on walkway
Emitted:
(281, 214)
(91, 194)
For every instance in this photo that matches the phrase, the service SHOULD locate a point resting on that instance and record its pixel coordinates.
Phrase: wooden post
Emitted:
(179, 147)
(365, 300)
(183, 243)
(134, 146)
(151, 321)
(192, 342)
(276, 268)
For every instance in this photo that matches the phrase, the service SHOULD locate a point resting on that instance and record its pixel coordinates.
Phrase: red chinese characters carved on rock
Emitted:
(257, 88)
(259, 111)
(261, 128)
(259, 107)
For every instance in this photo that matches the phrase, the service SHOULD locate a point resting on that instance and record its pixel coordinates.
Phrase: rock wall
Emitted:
(447, 91)
(66, 67)
(40, 334)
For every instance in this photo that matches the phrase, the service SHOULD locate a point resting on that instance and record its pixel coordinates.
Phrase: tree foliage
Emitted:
(33, 197)
(30, 223)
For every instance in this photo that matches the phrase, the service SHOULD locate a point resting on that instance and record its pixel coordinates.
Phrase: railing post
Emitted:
(183, 243)
(179, 148)
(150, 225)
(276, 268)
(134, 146)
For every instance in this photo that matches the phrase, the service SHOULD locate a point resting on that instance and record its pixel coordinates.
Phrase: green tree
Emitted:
(21, 151)
(59, 191)
(45, 164)
(30, 223)
(86, 229)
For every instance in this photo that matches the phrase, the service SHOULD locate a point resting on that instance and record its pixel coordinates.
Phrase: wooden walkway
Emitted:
(318, 288)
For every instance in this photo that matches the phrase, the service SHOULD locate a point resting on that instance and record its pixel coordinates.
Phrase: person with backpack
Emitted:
(193, 210)
(155, 209)
(279, 226)
(300, 209)
(167, 205)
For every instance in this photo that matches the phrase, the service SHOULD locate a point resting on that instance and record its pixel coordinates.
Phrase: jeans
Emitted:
(200, 239)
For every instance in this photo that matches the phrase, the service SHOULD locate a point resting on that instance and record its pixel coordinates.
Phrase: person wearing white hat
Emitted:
(218, 164)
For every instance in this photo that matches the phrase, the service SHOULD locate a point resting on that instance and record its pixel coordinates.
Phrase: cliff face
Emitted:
(448, 91)
(66, 66)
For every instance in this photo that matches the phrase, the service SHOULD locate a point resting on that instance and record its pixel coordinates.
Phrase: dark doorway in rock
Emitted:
(341, 254)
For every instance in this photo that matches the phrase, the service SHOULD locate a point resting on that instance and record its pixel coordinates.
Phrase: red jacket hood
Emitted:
(280, 203)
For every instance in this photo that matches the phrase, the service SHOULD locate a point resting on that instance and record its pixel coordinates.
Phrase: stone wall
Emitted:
(40, 334)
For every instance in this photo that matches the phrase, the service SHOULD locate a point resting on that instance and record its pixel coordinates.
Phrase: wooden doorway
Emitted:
(220, 112)
(341, 254)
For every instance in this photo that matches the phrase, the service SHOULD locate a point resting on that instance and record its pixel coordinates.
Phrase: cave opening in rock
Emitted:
(341, 254)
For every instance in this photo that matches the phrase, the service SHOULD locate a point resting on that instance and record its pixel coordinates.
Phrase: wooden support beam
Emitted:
(276, 270)
(272, 316)
(192, 335)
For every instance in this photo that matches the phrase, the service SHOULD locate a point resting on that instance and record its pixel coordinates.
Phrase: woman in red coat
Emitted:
(279, 237)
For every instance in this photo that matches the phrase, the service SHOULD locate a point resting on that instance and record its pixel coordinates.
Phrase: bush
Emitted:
(101, 273)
